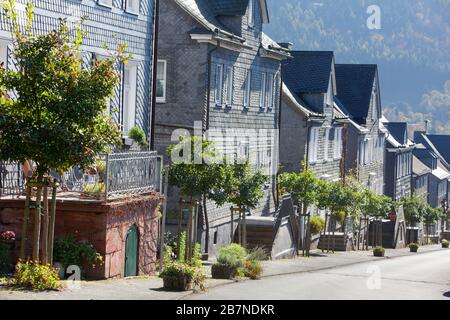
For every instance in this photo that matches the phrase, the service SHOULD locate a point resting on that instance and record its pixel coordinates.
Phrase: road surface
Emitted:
(421, 276)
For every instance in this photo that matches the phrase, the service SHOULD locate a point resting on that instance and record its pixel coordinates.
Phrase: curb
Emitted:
(189, 293)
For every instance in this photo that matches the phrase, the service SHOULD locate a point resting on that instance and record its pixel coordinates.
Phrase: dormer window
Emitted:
(251, 13)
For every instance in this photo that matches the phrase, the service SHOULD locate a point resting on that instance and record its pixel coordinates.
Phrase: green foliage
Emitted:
(58, 118)
(31, 274)
(338, 198)
(138, 135)
(240, 185)
(94, 189)
(181, 251)
(375, 205)
(69, 251)
(253, 269)
(432, 215)
(257, 253)
(304, 186)
(414, 208)
(445, 243)
(5, 258)
(198, 171)
(233, 255)
(316, 225)
(414, 246)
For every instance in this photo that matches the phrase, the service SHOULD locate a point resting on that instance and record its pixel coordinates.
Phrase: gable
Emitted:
(442, 145)
(354, 87)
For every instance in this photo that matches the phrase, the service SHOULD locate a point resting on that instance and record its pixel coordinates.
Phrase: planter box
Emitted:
(181, 283)
(413, 249)
(445, 246)
(223, 272)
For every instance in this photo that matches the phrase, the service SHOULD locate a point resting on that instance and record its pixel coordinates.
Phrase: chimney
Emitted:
(426, 126)
(286, 45)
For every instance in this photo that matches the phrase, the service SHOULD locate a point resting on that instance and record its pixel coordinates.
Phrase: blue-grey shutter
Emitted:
(117, 99)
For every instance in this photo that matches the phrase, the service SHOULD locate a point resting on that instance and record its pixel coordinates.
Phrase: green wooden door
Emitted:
(131, 252)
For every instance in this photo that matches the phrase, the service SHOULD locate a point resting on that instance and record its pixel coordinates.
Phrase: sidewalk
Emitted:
(150, 288)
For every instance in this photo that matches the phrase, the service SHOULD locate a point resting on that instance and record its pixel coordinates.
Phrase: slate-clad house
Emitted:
(217, 68)
(358, 96)
(420, 178)
(398, 162)
(311, 127)
(436, 155)
(125, 232)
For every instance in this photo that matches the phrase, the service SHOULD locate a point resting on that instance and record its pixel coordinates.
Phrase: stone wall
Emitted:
(105, 225)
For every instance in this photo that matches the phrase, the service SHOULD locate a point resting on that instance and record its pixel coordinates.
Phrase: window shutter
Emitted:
(262, 98)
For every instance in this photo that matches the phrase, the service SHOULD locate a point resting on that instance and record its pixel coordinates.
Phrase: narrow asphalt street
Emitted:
(422, 276)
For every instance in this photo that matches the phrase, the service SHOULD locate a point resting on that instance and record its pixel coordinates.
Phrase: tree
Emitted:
(414, 209)
(242, 186)
(196, 170)
(305, 188)
(53, 111)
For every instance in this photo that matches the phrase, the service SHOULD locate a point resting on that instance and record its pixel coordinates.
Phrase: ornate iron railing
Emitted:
(116, 175)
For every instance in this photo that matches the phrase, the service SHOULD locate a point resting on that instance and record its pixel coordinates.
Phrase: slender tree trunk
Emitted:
(37, 221)
(205, 214)
(51, 229)
(244, 227)
(45, 224)
(26, 217)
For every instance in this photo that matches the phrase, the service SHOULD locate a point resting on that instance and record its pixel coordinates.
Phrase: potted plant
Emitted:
(378, 252)
(445, 243)
(413, 247)
(229, 260)
(177, 276)
(8, 237)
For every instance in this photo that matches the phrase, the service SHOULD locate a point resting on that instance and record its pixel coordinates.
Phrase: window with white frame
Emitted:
(337, 146)
(219, 85)
(251, 13)
(374, 105)
(262, 97)
(129, 96)
(326, 143)
(271, 87)
(133, 6)
(229, 87)
(313, 144)
(247, 89)
(161, 81)
(107, 3)
(4, 53)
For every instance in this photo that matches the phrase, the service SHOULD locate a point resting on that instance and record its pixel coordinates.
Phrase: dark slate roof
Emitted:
(308, 71)
(442, 144)
(354, 87)
(230, 7)
(398, 130)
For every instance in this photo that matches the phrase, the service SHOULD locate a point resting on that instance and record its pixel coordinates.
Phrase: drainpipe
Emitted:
(155, 71)
(206, 127)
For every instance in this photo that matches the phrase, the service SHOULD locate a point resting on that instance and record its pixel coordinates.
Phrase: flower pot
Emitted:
(378, 254)
(179, 283)
(219, 271)
(413, 249)
(445, 245)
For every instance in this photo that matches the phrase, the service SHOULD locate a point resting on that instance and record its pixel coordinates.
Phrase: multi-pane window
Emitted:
(161, 81)
(262, 97)
(229, 87)
(3, 53)
(132, 6)
(326, 143)
(129, 96)
(313, 144)
(219, 85)
(337, 143)
(247, 89)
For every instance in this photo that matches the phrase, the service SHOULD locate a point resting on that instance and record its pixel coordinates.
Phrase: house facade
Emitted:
(399, 161)
(358, 96)
(109, 22)
(420, 179)
(124, 232)
(311, 127)
(219, 73)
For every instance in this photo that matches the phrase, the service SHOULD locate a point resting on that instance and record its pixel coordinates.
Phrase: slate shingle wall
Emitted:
(108, 26)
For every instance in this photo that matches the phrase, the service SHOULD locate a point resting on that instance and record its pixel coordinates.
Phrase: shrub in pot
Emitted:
(378, 252)
(230, 260)
(413, 247)
(253, 269)
(445, 243)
